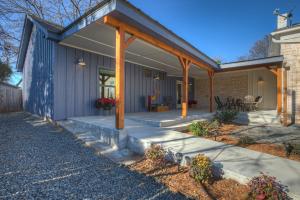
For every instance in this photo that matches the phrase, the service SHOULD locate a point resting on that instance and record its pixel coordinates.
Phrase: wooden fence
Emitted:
(10, 98)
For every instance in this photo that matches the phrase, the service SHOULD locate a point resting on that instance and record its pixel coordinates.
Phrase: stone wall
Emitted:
(291, 53)
(238, 85)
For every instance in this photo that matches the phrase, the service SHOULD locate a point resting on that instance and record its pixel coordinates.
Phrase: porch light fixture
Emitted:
(156, 77)
(81, 62)
(260, 80)
(178, 157)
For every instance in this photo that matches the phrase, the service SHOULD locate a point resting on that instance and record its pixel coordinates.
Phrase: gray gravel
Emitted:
(40, 161)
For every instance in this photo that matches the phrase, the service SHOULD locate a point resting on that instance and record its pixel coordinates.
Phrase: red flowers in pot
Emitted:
(105, 103)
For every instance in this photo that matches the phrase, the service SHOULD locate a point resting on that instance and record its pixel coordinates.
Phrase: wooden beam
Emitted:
(211, 90)
(185, 63)
(119, 85)
(279, 90)
(129, 41)
(274, 71)
(109, 20)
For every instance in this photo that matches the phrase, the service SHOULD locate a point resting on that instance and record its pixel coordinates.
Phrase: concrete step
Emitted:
(157, 122)
(86, 131)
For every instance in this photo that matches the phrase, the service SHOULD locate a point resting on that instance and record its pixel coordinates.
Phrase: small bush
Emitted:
(203, 128)
(200, 128)
(246, 140)
(214, 124)
(265, 187)
(226, 116)
(201, 169)
(156, 154)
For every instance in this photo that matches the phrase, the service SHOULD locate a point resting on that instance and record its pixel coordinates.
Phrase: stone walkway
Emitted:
(39, 161)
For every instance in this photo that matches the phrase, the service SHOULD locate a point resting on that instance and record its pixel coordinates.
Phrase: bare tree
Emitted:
(260, 49)
(12, 12)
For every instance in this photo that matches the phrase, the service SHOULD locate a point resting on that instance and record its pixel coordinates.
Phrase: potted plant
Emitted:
(105, 105)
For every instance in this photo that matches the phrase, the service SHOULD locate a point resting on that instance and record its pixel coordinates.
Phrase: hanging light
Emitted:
(81, 62)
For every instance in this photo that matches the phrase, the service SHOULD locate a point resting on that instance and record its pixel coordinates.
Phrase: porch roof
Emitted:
(90, 33)
(274, 61)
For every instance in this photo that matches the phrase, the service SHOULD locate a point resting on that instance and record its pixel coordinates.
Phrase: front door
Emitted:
(178, 94)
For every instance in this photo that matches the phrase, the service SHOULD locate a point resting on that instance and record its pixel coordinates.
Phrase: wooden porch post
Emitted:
(121, 45)
(211, 89)
(120, 56)
(279, 91)
(185, 63)
(285, 115)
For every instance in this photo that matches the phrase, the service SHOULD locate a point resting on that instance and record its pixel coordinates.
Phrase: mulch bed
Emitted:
(225, 189)
(225, 131)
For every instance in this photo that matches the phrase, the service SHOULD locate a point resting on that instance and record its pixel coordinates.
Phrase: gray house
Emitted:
(115, 50)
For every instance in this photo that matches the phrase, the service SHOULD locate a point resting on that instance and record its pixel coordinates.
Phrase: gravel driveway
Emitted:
(40, 161)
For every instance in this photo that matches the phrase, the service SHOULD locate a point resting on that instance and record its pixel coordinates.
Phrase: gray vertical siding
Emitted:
(77, 88)
(55, 87)
(38, 76)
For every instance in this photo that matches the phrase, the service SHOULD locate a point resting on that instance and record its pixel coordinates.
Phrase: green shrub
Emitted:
(265, 187)
(246, 140)
(226, 116)
(203, 128)
(200, 128)
(214, 124)
(201, 169)
(156, 154)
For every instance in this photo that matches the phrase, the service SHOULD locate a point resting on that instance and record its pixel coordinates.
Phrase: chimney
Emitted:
(282, 21)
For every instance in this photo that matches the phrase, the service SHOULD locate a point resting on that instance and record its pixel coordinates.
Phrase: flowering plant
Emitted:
(201, 169)
(105, 103)
(266, 187)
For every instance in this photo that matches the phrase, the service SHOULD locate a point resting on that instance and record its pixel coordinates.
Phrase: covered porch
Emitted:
(137, 44)
(125, 34)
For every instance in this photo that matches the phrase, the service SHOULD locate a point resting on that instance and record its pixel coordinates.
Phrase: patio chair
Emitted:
(240, 106)
(249, 102)
(219, 103)
(167, 100)
(258, 100)
(230, 103)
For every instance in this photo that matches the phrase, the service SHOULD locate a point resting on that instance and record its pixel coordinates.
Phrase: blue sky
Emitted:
(219, 28)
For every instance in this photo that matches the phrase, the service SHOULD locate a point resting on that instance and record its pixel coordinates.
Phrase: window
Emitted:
(107, 83)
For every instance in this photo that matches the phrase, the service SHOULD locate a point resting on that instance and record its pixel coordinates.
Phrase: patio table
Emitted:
(250, 105)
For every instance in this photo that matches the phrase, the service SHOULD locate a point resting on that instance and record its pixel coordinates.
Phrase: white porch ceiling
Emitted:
(100, 39)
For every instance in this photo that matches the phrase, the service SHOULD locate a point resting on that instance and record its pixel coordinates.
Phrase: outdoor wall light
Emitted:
(260, 80)
(178, 157)
(156, 77)
(81, 62)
